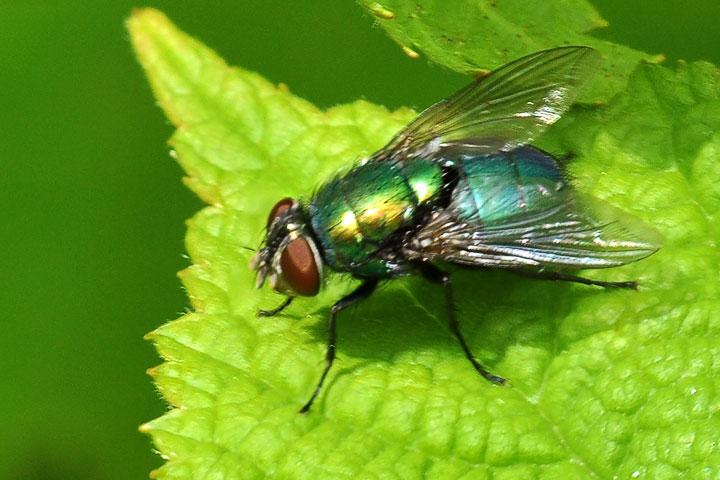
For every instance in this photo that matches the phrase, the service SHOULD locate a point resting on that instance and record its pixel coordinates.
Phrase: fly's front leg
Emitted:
(435, 275)
(276, 310)
(572, 278)
(360, 293)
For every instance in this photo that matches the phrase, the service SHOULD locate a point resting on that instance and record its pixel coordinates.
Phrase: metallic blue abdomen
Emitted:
(503, 184)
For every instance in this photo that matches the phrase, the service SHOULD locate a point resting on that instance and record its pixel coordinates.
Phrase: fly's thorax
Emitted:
(354, 215)
(425, 178)
(289, 258)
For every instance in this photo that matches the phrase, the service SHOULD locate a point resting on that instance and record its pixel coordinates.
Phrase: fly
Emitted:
(459, 185)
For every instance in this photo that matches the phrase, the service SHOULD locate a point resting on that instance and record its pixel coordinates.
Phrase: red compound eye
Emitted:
(280, 207)
(299, 268)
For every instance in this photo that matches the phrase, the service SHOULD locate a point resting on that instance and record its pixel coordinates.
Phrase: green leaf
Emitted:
(642, 375)
(470, 36)
(604, 384)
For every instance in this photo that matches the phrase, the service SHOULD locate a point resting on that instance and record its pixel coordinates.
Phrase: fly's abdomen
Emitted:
(504, 184)
(355, 214)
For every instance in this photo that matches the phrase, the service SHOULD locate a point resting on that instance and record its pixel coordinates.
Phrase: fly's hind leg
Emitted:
(435, 275)
(572, 278)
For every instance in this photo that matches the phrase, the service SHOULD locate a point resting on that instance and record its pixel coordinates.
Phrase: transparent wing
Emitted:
(578, 232)
(503, 110)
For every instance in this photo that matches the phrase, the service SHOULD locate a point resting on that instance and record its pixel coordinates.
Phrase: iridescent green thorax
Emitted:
(500, 185)
(355, 214)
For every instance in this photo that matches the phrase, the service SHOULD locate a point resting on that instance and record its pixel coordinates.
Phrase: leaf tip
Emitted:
(146, 15)
(141, 17)
(380, 11)
(601, 23)
(150, 336)
(140, 24)
(145, 428)
(410, 52)
(657, 58)
(183, 274)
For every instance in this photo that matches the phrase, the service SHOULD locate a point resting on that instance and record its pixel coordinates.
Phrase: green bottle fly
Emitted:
(459, 185)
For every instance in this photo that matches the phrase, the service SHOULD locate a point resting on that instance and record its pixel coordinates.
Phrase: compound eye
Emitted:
(280, 207)
(299, 269)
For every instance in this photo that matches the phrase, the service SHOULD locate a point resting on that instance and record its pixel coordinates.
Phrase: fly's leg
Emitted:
(276, 310)
(572, 278)
(360, 293)
(435, 275)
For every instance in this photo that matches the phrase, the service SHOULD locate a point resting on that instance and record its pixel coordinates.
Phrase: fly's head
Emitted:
(289, 258)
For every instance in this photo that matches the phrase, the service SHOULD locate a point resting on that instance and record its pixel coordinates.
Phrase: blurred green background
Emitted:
(93, 207)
